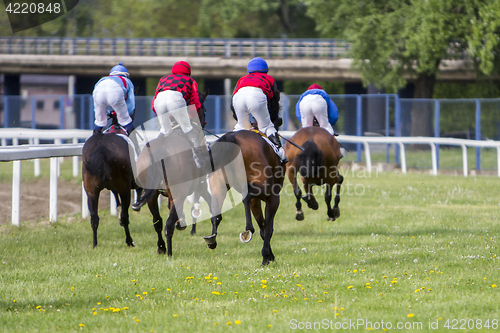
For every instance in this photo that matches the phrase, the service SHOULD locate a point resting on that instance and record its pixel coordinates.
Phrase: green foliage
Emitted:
(391, 39)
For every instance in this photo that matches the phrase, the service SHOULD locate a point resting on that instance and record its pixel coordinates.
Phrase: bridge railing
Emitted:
(185, 47)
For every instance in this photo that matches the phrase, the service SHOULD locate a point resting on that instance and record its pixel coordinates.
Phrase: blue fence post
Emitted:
(6, 111)
(286, 113)
(397, 123)
(61, 112)
(387, 160)
(437, 126)
(478, 133)
(359, 123)
(82, 112)
(91, 111)
(33, 112)
(218, 117)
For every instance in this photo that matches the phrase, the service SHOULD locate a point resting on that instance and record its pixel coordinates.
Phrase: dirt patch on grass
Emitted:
(35, 200)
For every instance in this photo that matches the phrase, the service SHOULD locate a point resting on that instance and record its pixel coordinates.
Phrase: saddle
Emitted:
(115, 129)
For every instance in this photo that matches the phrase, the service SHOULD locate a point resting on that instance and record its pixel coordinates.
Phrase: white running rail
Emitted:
(54, 151)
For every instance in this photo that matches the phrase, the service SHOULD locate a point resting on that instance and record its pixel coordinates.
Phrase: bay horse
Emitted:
(262, 182)
(318, 165)
(106, 164)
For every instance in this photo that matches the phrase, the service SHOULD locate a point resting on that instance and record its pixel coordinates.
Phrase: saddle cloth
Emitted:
(267, 140)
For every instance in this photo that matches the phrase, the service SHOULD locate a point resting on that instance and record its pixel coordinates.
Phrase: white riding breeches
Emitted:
(252, 100)
(109, 93)
(172, 103)
(314, 106)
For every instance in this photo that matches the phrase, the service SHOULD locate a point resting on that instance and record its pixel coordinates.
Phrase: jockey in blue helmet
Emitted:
(117, 91)
(258, 94)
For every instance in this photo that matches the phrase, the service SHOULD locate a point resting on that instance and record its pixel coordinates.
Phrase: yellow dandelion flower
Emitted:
(73, 288)
(125, 308)
(430, 289)
(168, 289)
(94, 313)
(368, 287)
(14, 301)
(137, 320)
(350, 287)
(266, 296)
(236, 274)
(355, 271)
(285, 296)
(368, 283)
(228, 323)
(106, 297)
(219, 283)
(305, 298)
(216, 323)
(190, 277)
(410, 315)
(175, 315)
(215, 292)
(145, 293)
(320, 301)
(38, 306)
(337, 314)
(299, 285)
(385, 276)
(417, 290)
(493, 285)
(325, 292)
(275, 311)
(237, 322)
(98, 303)
(348, 270)
(269, 325)
(98, 275)
(81, 325)
(263, 281)
(215, 277)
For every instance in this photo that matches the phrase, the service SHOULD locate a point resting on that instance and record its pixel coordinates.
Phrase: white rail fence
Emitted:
(54, 151)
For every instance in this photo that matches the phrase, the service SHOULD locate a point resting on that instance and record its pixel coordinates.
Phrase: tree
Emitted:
(394, 40)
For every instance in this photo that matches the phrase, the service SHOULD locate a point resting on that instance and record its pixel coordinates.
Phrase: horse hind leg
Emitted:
(124, 217)
(157, 223)
(309, 197)
(246, 236)
(336, 209)
(292, 176)
(93, 204)
(271, 208)
(328, 201)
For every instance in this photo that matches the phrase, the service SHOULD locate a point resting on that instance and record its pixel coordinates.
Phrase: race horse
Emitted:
(318, 164)
(166, 167)
(262, 181)
(107, 164)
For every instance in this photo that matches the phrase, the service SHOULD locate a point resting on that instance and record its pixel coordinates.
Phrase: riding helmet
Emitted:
(181, 67)
(315, 86)
(119, 70)
(257, 65)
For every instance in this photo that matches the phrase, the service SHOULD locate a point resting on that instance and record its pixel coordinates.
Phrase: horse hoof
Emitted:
(299, 215)
(180, 224)
(193, 233)
(246, 236)
(211, 241)
(161, 251)
(136, 207)
(131, 244)
(196, 212)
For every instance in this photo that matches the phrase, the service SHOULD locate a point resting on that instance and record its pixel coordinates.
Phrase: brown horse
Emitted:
(317, 164)
(106, 164)
(262, 182)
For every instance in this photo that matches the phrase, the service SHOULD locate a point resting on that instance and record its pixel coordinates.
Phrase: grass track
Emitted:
(397, 234)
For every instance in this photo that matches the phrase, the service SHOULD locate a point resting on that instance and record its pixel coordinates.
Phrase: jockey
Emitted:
(117, 91)
(257, 94)
(315, 103)
(177, 96)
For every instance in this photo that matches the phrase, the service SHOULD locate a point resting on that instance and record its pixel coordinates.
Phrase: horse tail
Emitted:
(222, 153)
(97, 163)
(310, 160)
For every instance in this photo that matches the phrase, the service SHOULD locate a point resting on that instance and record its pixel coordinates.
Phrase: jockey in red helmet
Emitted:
(257, 94)
(315, 103)
(177, 96)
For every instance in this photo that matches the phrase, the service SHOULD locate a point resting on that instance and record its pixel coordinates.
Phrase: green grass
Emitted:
(407, 248)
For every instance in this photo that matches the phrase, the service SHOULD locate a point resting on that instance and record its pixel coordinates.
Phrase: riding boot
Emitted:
(130, 128)
(281, 152)
(193, 141)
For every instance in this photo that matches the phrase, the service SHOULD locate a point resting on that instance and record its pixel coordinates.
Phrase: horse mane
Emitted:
(97, 163)
(311, 160)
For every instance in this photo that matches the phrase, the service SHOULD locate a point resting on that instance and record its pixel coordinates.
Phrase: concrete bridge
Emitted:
(288, 59)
